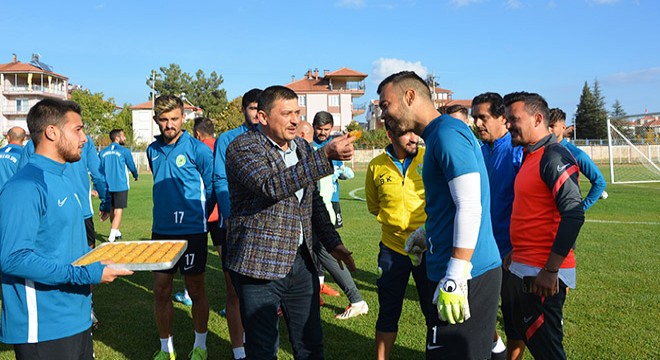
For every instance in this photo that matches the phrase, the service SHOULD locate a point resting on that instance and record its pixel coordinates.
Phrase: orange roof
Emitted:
(147, 106)
(466, 103)
(19, 67)
(346, 72)
(441, 90)
(653, 123)
(308, 85)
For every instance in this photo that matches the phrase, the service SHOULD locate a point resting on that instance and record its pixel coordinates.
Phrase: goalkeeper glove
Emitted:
(451, 295)
(416, 245)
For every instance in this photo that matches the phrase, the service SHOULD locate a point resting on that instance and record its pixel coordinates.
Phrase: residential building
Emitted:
(22, 85)
(334, 92)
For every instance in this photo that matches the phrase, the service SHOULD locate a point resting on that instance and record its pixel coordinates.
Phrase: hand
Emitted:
(416, 245)
(340, 148)
(451, 295)
(104, 215)
(94, 193)
(110, 274)
(506, 262)
(546, 284)
(341, 253)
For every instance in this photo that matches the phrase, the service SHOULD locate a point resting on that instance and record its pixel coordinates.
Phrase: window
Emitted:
(303, 117)
(22, 105)
(333, 100)
(302, 100)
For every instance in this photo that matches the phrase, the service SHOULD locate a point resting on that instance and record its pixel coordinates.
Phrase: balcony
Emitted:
(15, 111)
(358, 109)
(34, 90)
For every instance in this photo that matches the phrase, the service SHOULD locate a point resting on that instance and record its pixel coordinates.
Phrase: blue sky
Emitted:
(472, 46)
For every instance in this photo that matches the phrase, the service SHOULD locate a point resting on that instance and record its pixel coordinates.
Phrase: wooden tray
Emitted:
(137, 255)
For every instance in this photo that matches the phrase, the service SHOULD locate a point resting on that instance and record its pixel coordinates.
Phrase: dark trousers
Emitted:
(539, 320)
(298, 295)
(74, 347)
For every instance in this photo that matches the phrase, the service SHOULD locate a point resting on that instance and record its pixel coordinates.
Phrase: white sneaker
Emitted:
(353, 311)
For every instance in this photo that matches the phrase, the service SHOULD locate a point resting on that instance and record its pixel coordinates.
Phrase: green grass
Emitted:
(613, 314)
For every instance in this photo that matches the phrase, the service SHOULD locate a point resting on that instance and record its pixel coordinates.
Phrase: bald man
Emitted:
(305, 130)
(11, 154)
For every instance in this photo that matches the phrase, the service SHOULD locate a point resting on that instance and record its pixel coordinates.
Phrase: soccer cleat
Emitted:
(163, 355)
(353, 311)
(95, 321)
(198, 354)
(223, 312)
(321, 302)
(181, 297)
(327, 290)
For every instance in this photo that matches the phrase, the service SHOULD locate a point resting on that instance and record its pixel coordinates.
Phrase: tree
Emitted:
(230, 117)
(97, 113)
(617, 110)
(200, 90)
(617, 115)
(591, 115)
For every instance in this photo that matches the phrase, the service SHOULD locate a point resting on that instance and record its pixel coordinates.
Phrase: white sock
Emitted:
(200, 340)
(498, 346)
(359, 303)
(118, 233)
(239, 353)
(113, 234)
(185, 294)
(321, 280)
(167, 345)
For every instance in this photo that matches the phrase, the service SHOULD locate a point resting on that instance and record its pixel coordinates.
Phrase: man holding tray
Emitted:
(182, 168)
(46, 301)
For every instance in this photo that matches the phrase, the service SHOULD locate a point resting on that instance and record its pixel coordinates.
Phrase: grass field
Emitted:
(613, 314)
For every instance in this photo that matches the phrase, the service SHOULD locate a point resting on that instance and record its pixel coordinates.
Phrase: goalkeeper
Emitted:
(462, 253)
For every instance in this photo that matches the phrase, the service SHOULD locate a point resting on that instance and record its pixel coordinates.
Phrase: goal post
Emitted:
(634, 150)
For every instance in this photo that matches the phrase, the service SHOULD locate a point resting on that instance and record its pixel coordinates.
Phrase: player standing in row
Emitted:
(502, 161)
(182, 170)
(395, 195)
(11, 154)
(115, 160)
(221, 189)
(462, 252)
(557, 126)
(546, 219)
(46, 301)
(275, 204)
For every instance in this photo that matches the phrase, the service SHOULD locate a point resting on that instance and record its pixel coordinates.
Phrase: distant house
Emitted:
(22, 85)
(144, 126)
(334, 92)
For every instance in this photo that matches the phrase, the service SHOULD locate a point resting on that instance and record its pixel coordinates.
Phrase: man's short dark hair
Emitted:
(322, 118)
(533, 103)
(271, 94)
(496, 108)
(454, 109)
(203, 125)
(556, 115)
(250, 97)
(115, 133)
(406, 79)
(49, 112)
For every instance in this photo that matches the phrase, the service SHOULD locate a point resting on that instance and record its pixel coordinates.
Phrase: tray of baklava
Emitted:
(137, 255)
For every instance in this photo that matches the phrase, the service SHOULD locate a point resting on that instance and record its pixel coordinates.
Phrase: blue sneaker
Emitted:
(181, 297)
(223, 312)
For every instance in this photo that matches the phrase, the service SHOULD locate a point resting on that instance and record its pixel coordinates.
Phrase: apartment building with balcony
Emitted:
(144, 126)
(22, 85)
(334, 92)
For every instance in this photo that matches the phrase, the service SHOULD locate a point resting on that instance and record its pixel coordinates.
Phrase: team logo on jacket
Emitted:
(419, 169)
(180, 160)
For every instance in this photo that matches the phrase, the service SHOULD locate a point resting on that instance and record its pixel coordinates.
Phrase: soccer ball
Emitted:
(604, 195)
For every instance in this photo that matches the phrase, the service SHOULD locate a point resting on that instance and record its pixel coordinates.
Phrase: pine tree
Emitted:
(617, 117)
(591, 115)
(617, 110)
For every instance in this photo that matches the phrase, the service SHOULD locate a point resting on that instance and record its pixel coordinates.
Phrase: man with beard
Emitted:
(395, 195)
(114, 160)
(46, 302)
(182, 170)
(546, 219)
(462, 252)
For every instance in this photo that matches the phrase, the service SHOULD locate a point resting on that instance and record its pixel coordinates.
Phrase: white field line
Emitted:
(624, 222)
(353, 195)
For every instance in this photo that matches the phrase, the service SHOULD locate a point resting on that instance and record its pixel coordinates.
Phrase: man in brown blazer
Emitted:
(272, 184)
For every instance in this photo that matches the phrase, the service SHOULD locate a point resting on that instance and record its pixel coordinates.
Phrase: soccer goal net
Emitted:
(634, 148)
